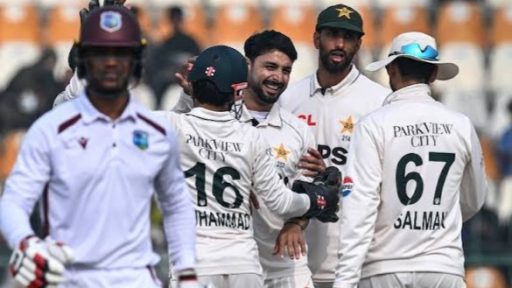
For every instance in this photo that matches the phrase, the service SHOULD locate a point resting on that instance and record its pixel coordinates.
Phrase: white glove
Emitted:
(36, 263)
(188, 279)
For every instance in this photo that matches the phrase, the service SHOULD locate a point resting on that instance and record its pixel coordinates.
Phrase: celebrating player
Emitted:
(331, 101)
(94, 163)
(414, 174)
(224, 160)
(271, 55)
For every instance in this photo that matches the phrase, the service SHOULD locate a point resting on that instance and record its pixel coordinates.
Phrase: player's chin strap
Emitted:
(238, 91)
(237, 108)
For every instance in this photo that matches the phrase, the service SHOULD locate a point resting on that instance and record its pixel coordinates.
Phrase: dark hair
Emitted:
(205, 91)
(415, 70)
(263, 42)
(175, 13)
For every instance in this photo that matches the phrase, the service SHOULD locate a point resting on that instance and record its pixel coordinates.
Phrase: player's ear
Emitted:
(316, 39)
(433, 76)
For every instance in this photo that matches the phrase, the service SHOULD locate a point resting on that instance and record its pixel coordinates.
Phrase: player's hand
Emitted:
(312, 163)
(93, 4)
(182, 75)
(291, 239)
(323, 194)
(188, 279)
(36, 263)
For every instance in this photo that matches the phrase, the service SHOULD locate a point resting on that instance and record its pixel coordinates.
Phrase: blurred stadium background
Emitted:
(36, 35)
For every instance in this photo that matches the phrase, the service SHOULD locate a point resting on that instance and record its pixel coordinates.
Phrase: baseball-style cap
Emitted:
(222, 65)
(340, 16)
(420, 47)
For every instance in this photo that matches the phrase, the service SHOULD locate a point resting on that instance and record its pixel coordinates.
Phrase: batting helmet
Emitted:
(111, 26)
(222, 65)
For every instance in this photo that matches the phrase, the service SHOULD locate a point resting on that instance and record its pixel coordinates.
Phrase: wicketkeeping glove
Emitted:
(323, 194)
(36, 263)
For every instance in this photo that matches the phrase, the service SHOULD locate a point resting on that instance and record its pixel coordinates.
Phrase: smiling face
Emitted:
(269, 75)
(337, 47)
(108, 70)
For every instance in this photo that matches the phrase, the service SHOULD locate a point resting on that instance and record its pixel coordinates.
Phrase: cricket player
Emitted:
(331, 101)
(224, 160)
(271, 55)
(414, 174)
(94, 163)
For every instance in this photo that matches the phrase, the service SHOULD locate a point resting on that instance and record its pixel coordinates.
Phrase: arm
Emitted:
(359, 208)
(267, 185)
(25, 185)
(178, 210)
(75, 86)
(274, 193)
(185, 103)
(291, 237)
(474, 184)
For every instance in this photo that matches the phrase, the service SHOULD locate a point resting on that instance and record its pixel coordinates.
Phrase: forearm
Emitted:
(180, 232)
(14, 222)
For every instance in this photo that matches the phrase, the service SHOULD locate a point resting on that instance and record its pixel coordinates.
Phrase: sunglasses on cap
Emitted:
(415, 50)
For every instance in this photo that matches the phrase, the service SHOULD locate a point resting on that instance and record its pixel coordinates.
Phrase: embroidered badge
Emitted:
(210, 71)
(347, 126)
(141, 139)
(281, 152)
(111, 21)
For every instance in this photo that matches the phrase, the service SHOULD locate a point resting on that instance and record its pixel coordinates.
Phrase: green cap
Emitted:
(340, 16)
(222, 65)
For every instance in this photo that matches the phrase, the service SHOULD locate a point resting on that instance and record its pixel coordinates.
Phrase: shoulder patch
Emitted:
(68, 123)
(152, 124)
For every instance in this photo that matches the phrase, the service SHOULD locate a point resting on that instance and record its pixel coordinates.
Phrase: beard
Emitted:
(334, 68)
(264, 98)
(107, 92)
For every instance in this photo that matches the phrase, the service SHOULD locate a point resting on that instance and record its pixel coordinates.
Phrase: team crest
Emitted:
(210, 71)
(347, 125)
(141, 139)
(346, 187)
(111, 21)
(281, 152)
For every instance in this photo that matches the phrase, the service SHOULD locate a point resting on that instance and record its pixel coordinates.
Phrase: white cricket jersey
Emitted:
(332, 117)
(224, 160)
(289, 139)
(415, 172)
(96, 178)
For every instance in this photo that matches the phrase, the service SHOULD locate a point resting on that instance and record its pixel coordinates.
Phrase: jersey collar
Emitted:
(273, 118)
(346, 82)
(90, 113)
(416, 92)
(206, 114)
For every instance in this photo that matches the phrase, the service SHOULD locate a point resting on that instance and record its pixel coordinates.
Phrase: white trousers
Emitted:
(112, 278)
(413, 280)
(292, 281)
(247, 280)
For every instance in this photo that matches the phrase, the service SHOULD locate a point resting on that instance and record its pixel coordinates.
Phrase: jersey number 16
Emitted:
(218, 187)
